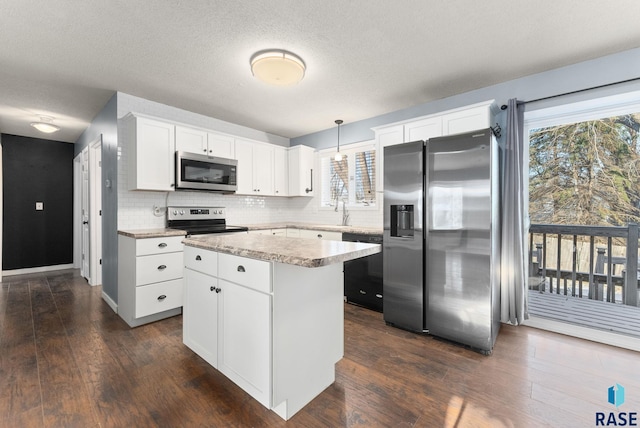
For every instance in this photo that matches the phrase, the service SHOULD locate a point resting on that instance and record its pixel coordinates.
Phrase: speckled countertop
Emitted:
(294, 251)
(151, 233)
(313, 226)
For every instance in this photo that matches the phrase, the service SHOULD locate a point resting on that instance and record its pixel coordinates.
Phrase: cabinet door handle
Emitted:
(218, 290)
(212, 288)
(310, 189)
(363, 292)
(162, 267)
(198, 258)
(161, 297)
(241, 269)
(162, 245)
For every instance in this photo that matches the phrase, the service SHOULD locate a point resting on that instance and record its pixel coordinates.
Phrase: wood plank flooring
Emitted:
(66, 360)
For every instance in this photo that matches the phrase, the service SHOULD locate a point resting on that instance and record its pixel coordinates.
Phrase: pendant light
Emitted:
(338, 156)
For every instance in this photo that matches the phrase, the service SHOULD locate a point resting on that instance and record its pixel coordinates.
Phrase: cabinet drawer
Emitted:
(159, 267)
(201, 260)
(170, 244)
(293, 233)
(251, 273)
(160, 297)
(321, 234)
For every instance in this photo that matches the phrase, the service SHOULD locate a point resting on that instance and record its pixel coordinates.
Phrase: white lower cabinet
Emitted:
(229, 324)
(200, 315)
(150, 282)
(275, 330)
(321, 234)
(244, 339)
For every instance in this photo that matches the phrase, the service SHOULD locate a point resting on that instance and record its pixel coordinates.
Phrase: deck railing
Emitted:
(598, 269)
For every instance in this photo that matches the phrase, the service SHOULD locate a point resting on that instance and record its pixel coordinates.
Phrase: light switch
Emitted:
(39, 206)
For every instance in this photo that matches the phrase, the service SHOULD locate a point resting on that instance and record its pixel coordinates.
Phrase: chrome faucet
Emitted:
(345, 214)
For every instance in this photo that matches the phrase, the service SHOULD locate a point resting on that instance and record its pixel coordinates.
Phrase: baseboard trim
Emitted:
(608, 338)
(36, 269)
(113, 305)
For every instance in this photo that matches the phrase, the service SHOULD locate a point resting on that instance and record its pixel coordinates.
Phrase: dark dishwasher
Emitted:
(363, 276)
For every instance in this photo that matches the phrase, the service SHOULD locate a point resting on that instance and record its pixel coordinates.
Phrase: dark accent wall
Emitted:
(36, 170)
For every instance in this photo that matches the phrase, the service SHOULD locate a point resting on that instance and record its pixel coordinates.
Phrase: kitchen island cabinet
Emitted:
(267, 311)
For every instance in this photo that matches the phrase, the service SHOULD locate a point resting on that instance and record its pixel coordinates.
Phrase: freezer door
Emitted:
(403, 283)
(458, 249)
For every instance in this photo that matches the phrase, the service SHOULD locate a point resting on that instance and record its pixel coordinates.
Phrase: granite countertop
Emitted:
(151, 233)
(294, 251)
(313, 226)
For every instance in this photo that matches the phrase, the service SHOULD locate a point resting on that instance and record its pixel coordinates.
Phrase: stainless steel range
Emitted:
(200, 220)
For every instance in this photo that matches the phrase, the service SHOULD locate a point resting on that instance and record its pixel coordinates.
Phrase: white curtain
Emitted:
(514, 267)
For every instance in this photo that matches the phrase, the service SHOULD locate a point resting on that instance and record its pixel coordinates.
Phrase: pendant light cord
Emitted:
(338, 122)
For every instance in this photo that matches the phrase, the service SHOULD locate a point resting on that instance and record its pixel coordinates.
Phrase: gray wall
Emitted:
(106, 123)
(601, 71)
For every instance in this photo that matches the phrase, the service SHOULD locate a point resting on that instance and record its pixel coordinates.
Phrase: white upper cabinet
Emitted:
(191, 140)
(151, 159)
(464, 119)
(255, 168)
(200, 141)
(301, 174)
(220, 145)
(423, 129)
(263, 169)
(280, 171)
(389, 136)
(467, 120)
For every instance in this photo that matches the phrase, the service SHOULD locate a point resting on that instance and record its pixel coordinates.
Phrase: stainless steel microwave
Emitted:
(201, 172)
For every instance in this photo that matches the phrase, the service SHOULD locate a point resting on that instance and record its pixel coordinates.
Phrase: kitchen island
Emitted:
(267, 312)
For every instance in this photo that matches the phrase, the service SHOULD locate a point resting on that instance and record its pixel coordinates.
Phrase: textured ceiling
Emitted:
(364, 57)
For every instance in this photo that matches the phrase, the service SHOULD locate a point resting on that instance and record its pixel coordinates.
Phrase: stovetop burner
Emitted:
(200, 220)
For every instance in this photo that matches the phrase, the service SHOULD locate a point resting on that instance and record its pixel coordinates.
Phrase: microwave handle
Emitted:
(308, 190)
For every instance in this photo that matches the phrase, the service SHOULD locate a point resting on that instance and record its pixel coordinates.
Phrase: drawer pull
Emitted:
(198, 258)
(162, 297)
(162, 267)
(319, 235)
(363, 292)
(379, 296)
(241, 269)
(162, 245)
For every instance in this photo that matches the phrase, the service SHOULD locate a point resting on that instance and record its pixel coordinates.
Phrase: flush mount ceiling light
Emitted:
(278, 67)
(45, 125)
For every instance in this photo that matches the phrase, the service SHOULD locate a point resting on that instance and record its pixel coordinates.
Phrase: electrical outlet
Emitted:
(39, 206)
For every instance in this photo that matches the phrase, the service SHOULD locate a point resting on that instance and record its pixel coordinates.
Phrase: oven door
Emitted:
(198, 172)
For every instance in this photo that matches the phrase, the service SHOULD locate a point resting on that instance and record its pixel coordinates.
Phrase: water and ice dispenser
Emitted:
(402, 221)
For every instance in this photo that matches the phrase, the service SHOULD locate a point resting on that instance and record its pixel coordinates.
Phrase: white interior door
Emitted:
(85, 269)
(77, 212)
(95, 211)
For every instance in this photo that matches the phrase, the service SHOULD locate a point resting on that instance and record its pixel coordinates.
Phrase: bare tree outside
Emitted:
(586, 173)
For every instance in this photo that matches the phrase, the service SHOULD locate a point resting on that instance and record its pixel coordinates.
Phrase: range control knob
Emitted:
(220, 212)
(175, 212)
(181, 212)
(215, 211)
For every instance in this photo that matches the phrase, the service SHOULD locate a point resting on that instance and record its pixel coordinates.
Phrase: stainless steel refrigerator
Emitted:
(441, 258)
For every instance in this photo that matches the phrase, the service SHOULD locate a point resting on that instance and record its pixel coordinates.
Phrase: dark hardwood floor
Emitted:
(66, 360)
